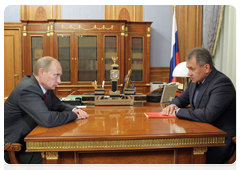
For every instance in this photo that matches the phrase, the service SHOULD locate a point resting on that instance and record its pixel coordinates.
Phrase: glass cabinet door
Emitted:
(64, 57)
(110, 51)
(36, 49)
(87, 58)
(137, 59)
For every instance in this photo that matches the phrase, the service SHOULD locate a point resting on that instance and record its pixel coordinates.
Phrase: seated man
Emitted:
(27, 107)
(212, 97)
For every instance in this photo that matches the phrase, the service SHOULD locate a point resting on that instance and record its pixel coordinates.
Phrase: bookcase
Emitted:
(85, 49)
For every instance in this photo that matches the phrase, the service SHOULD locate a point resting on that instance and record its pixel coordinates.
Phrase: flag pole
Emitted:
(175, 59)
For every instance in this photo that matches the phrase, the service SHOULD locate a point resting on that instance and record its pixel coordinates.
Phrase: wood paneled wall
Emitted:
(189, 25)
(40, 12)
(159, 74)
(124, 12)
(12, 56)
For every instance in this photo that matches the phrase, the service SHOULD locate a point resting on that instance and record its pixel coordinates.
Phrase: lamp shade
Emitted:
(180, 70)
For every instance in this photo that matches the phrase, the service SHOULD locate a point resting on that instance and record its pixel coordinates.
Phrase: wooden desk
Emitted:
(123, 134)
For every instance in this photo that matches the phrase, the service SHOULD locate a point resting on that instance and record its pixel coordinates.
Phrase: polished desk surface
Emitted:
(116, 123)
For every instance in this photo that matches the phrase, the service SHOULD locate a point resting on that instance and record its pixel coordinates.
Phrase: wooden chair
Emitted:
(234, 158)
(12, 148)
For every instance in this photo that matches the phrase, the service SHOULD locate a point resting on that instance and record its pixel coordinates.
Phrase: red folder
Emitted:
(157, 115)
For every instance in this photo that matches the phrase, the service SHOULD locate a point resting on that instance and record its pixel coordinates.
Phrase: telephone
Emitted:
(156, 95)
(180, 85)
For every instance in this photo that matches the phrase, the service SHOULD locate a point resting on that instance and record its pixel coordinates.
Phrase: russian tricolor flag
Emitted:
(175, 60)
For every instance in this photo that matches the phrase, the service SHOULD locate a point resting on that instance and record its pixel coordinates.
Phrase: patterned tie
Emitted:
(196, 93)
(46, 97)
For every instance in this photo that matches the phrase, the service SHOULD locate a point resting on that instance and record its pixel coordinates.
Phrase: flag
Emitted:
(175, 60)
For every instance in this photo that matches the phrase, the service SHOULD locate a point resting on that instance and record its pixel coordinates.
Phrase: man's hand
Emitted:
(81, 114)
(170, 110)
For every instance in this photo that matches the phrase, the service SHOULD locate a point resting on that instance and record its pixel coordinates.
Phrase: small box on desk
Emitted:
(75, 103)
(73, 100)
(129, 91)
(99, 91)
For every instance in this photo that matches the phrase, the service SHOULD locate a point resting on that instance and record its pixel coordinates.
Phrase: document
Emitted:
(157, 115)
(84, 106)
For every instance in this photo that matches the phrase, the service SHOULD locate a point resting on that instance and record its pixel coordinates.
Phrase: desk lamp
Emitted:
(181, 71)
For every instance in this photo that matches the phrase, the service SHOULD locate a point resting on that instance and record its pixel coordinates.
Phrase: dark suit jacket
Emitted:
(215, 104)
(25, 108)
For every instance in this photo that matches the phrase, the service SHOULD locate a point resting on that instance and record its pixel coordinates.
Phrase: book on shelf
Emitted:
(157, 115)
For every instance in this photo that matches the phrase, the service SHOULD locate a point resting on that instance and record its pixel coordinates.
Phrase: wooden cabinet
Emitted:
(137, 58)
(85, 49)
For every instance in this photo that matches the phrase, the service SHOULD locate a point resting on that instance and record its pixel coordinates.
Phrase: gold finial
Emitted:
(114, 59)
(94, 84)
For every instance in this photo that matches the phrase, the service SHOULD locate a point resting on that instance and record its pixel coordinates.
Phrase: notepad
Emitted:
(157, 115)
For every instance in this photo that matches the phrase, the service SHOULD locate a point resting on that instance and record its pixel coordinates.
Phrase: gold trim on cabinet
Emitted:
(113, 144)
(51, 155)
(149, 29)
(43, 154)
(94, 27)
(199, 151)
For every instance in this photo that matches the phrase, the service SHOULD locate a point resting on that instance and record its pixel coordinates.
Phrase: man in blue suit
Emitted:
(212, 97)
(33, 103)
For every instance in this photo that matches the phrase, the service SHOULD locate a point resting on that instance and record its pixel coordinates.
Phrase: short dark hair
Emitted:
(202, 56)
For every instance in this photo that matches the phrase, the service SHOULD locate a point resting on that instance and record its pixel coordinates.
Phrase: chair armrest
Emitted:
(12, 148)
(234, 158)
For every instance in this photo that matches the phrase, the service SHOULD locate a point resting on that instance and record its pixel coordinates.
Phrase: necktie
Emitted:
(196, 93)
(46, 97)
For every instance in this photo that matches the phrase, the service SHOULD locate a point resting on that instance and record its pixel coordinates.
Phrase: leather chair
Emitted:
(12, 148)
(234, 158)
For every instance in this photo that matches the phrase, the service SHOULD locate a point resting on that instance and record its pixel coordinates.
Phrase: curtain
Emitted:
(212, 17)
(225, 56)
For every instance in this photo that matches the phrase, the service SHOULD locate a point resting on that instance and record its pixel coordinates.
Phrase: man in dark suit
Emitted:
(33, 103)
(212, 97)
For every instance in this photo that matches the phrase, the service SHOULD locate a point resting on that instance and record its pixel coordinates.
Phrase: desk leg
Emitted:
(43, 157)
(50, 157)
(199, 155)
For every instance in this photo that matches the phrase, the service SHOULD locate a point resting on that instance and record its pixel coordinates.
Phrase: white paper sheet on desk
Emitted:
(81, 106)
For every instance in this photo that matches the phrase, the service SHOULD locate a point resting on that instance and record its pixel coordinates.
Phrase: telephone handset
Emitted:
(180, 85)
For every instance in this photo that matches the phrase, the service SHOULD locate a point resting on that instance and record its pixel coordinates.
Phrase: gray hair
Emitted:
(44, 62)
(202, 56)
